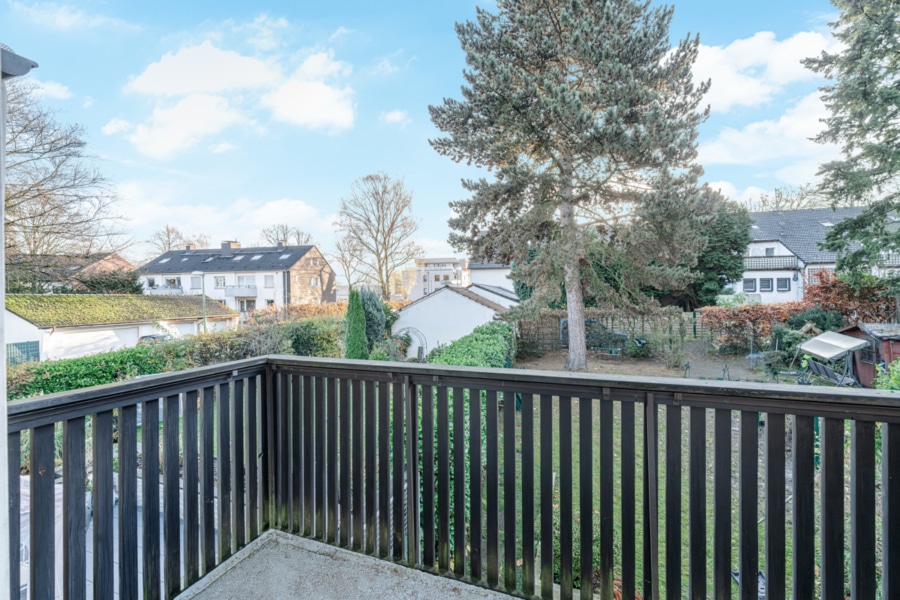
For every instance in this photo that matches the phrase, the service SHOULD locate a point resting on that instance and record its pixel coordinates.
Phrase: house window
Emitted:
(246, 280)
(196, 283)
(446, 278)
(239, 257)
(315, 282)
(424, 278)
(784, 284)
(173, 282)
(246, 304)
(870, 354)
(749, 285)
(164, 260)
(270, 281)
(765, 285)
(270, 303)
(151, 282)
(437, 277)
(220, 282)
(257, 257)
(770, 251)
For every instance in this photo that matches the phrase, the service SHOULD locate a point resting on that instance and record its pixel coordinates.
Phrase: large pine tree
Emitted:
(580, 108)
(864, 102)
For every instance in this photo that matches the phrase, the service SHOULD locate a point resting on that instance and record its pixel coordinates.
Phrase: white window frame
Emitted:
(196, 282)
(219, 281)
(787, 284)
(269, 281)
(766, 284)
(749, 286)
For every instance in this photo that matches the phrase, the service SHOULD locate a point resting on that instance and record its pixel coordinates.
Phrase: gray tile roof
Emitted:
(496, 290)
(219, 260)
(484, 264)
(801, 231)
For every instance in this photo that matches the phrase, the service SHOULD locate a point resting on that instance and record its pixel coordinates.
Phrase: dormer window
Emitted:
(256, 257)
(827, 224)
(284, 256)
(239, 257)
(770, 251)
(165, 260)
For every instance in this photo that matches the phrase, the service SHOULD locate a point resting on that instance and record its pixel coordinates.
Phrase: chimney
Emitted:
(190, 247)
(282, 244)
(230, 245)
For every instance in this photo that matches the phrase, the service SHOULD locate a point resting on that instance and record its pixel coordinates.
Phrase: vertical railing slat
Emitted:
(697, 505)
(443, 474)
(42, 560)
(607, 525)
(546, 506)
(804, 509)
(297, 400)
(673, 500)
(253, 452)
(104, 554)
(344, 481)
(371, 473)
(475, 529)
(492, 482)
(171, 500)
(239, 465)
(128, 525)
(428, 504)
(223, 469)
(775, 509)
(749, 505)
(384, 532)
(586, 489)
(282, 443)
(207, 481)
(651, 497)
(628, 500)
(357, 480)
(832, 509)
(510, 510)
(267, 449)
(862, 510)
(152, 574)
(398, 470)
(412, 524)
(331, 466)
(722, 505)
(14, 468)
(191, 514)
(321, 384)
(528, 493)
(308, 456)
(565, 498)
(74, 474)
(459, 486)
(890, 481)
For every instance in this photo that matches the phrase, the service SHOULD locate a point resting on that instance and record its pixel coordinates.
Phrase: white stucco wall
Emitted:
(440, 318)
(794, 294)
(759, 249)
(498, 277)
(263, 293)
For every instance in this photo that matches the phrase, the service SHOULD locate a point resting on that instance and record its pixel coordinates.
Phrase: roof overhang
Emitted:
(832, 345)
(13, 65)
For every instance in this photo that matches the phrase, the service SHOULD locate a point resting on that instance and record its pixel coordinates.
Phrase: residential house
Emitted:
(49, 327)
(784, 255)
(40, 273)
(243, 279)
(448, 314)
(435, 273)
(883, 349)
(490, 273)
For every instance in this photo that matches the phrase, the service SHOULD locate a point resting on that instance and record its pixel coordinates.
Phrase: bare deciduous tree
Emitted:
(171, 238)
(282, 232)
(57, 201)
(377, 226)
(348, 256)
(794, 198)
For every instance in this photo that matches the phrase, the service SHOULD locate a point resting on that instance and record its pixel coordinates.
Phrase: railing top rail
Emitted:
(52, 408)
(738, 395)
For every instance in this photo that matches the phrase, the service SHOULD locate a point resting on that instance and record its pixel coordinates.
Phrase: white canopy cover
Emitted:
(831, 346)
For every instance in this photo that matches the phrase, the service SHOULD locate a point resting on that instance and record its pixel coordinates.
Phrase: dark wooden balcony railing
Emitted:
(658, 487)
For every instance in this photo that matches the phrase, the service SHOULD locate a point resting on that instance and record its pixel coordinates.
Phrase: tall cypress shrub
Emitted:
(374, 317)
(355, 345)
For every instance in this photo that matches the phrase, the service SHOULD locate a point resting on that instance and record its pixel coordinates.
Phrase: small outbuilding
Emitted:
(883, 348)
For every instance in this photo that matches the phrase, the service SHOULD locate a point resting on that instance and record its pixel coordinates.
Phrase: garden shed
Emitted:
(883, 349)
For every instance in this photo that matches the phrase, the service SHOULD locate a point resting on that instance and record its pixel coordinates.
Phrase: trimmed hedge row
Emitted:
(489, 345)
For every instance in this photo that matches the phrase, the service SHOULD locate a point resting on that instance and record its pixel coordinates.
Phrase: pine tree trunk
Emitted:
(577, 359)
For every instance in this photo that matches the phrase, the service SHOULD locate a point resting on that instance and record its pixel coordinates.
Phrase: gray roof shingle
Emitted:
(801, 231)
(219, 260)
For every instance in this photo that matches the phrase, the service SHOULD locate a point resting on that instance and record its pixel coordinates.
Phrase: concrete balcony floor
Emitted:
(280, 566)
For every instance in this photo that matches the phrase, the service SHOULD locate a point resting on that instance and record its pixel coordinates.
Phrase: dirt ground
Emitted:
(699, 364)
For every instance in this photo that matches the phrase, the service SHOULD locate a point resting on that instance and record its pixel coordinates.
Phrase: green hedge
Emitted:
(489, 345)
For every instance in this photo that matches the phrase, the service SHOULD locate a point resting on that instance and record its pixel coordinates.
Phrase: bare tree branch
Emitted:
(282, 232)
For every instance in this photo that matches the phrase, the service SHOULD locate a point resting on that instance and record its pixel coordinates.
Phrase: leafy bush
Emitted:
(355, 344)
(315, 337)
(635, 350)
(825, 320)
(489, 345)
(786, 339)
(375, 320)
(889, 379)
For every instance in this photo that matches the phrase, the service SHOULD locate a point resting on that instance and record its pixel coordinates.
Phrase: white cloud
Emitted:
(67, 17)
(340, 32)
(305, 99)
(221, 148)
(395, 117)
(750, 71)
(52, 89)
(173, 130)
(115, 126)
(385, 67)
(745, 196)
(203, 68)
(264, 32)
(784, 139)
(433, 247)
(88, 102)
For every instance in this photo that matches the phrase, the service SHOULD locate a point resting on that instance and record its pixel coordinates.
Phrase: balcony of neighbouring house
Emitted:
(771, 263)
(240, 291)
(164, 291)
(300, 477)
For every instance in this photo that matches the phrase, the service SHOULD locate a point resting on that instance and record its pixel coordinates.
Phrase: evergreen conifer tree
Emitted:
(582, 110)
(355, 329)
(374, 317)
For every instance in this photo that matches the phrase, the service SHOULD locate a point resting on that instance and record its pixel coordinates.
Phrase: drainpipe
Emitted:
(11, 65)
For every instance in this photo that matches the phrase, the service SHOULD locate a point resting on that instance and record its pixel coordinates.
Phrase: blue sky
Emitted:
(222, 118)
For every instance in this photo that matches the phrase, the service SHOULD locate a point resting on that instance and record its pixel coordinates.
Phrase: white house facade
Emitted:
(433, 274)
(488, 273)
(243, 279)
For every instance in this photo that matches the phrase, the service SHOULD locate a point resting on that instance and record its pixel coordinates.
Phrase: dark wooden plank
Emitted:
(268, 443)
(413, 524)
(673, 502)
(443, 473)
(74, 518)
(239, 465)
(14, 467)
(510, 512)
(321, 387)
(546, 505)
(207, 481)
(344, 482)
(863, 583)
(722, 505)
(459, 479)
(607, 525)
(475, 529)
(890, 537)
(253, 456)
(223, 470)
(357, 480)
(104, 533)
(832, 503)
(428, 537)
(128, 506)
(651, 497)
(775, 510)
(371, 473)
(384, 521)
(171, 500)
(296, 468)
(697, 506)
(749, 504)
(804, 509)
(331, 464)
(308, 455)
(283, 455)
(566, 575)
(586, 489)
(43, 544)
(190, 483)
(491, 482)
(528, 493)
(628, 501)
(397, 476)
